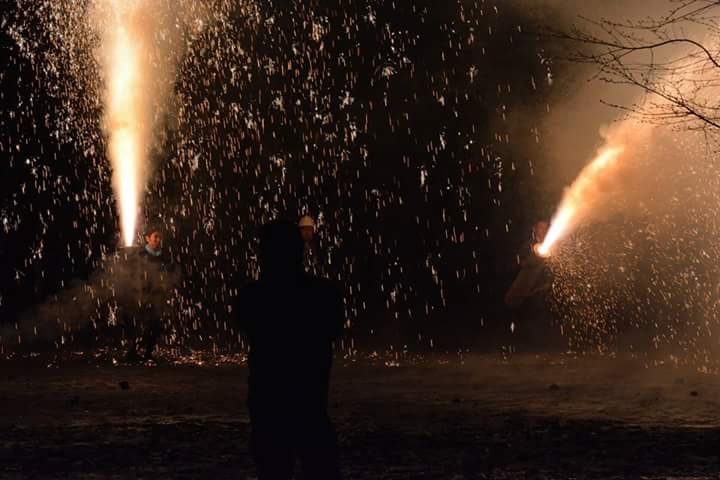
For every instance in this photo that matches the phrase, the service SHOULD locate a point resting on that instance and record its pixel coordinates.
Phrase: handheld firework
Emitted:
(578, 198)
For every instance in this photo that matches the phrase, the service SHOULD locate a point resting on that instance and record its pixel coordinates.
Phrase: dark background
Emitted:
(453, 91)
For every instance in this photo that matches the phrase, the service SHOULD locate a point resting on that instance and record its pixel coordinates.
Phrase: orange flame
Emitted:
(128, 120)
(125, 144)
(578, 196)
(138, 55)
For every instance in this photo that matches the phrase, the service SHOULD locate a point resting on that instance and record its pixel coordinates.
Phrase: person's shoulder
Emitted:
(323, 286)
(248, 295)
(251, 288)
(319, 282)
(330, 302)
(140, 258)
(145, 255)
(161, 260)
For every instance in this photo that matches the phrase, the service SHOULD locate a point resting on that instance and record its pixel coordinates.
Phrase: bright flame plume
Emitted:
(577, 198)
(138, 56)
(124, 122)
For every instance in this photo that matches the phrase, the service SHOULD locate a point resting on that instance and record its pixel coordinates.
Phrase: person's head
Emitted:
(153, 238)
(540, 230)
(307, 228)
(281, 250)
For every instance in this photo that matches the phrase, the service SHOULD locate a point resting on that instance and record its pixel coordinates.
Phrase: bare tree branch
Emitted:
(681, 72)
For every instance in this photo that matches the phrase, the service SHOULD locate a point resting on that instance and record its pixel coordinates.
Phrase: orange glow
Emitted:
(125, 110)
(578, 196)
(124, 137)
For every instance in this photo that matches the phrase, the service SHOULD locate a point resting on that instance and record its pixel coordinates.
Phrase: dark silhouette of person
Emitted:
(290, 319)
(535, 325)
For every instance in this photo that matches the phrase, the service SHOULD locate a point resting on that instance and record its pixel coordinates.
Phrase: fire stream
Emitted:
(576, 199)
(124, 143)
(128, 99)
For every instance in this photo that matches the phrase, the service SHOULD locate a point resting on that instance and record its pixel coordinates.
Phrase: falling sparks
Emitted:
(288, 110)
(393, 119)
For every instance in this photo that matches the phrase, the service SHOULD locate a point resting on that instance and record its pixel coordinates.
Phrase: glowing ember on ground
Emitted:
(576, 199)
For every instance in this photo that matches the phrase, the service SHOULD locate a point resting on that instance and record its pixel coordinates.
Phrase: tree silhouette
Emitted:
(674, 59)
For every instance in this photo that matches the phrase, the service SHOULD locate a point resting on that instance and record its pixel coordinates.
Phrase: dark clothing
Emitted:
(534, 279)
(155, 264)
(156, 259)
(142, 327)
(275, 452)
(290, 325)
(534, 325)
(142, 320)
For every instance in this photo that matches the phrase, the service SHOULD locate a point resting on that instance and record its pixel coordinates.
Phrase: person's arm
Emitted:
(332, 313)
(528, 256)
(525, 282)
(242, 311)
(337, 315)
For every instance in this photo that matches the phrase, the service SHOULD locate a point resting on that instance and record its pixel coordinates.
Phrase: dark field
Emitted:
(443, 418)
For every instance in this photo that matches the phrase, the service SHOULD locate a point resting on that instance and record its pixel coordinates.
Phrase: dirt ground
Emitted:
(478, 417)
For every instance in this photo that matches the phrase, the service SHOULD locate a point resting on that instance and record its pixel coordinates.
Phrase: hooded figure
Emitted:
(290, 319)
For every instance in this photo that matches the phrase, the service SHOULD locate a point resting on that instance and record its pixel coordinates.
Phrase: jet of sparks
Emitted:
(125, 113)
(578, 197)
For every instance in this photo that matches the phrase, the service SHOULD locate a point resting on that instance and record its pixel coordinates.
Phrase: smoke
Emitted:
(641, 175)
(636, 263)
(112, 64)
(583, 103)
(95, 312)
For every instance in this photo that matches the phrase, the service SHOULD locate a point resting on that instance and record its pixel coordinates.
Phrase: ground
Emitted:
(472, 417)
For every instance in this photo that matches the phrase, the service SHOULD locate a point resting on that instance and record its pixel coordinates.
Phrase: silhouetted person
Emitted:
(316, 261)
(290, 319)
(307, 232)
(7, 283)
(143, 322)
(535, 327)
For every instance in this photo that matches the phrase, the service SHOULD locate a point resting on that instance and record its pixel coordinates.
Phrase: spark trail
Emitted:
(580, 195)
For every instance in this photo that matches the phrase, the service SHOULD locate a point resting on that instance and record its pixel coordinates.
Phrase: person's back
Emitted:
(290, 320)
(290, 328)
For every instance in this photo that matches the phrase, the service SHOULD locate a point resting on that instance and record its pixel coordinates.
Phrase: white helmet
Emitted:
(306, 221)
